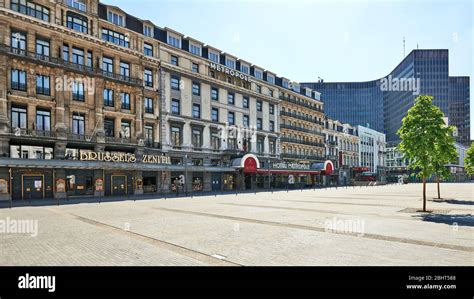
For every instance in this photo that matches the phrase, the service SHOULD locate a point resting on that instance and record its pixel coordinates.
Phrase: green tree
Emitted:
(469, 160)
(444, 152)
(420, 131)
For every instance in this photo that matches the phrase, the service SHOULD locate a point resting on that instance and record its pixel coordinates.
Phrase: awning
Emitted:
(286, 171)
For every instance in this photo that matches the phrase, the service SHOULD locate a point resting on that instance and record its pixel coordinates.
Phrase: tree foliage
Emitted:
(469, 160)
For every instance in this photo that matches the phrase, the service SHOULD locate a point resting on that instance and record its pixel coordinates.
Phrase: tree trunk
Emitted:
(439, 192)
(424, 194)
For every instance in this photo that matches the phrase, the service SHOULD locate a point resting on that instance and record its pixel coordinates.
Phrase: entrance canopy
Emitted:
(326, 168)
(249, 163)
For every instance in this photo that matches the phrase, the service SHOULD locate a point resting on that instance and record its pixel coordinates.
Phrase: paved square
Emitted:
(353, 226)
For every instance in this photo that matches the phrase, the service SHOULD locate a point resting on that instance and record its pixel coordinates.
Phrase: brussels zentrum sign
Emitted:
(123, 158)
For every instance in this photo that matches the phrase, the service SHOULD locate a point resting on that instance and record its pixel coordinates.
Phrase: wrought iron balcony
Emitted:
(300, 103)
(295, 128)
(293, 140)
(302, 157)
(302, 117)
(32, 133)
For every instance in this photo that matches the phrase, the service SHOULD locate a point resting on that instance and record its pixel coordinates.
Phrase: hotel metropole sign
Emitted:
(123, 158)
(293, 166)
(229, 71)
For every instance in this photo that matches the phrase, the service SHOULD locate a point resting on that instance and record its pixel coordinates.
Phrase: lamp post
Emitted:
(186, 175)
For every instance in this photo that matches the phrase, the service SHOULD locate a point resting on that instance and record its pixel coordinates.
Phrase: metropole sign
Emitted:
(229, 71)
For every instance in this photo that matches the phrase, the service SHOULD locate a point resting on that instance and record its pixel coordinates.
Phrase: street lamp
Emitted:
(186, 175)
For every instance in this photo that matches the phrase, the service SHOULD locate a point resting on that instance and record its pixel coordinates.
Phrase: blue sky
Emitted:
(306, 39)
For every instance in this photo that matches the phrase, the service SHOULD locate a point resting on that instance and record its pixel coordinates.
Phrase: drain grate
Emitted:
(415, 210)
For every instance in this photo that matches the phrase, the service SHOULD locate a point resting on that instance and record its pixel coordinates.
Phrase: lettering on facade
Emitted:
(285, 165)
(229, 71)
(123, 158)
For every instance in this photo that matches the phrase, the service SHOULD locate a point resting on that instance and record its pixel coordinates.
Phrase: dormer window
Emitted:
(115, 18)
(286, 83)
(244, 68)
(148, 31)
(77, 4)
(270, 79)
(308, 92)
(174, 40)
(258, 74)
(229, 62)
(214, 56)
(195, 49)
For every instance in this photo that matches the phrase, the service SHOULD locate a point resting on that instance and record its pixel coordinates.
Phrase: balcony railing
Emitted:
(122, 140)
(302, 157)
(293, 140)
(306, 105)
(32, 133)
(295, 128)
(70, 65)
(302, 117)
(81, 137)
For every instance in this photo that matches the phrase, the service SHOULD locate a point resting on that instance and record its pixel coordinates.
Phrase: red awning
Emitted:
(286, 171)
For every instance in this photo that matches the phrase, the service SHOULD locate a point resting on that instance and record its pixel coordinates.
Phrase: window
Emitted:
(196, 89)
(244, 68)
(196, 138)
(18, 42)
(148, 78)
(175, 83)
(149, 105)
(125, 129)
(42, 85)
(148, 49)
(115, 37)
(175, 106)
(78, 124)
(89, 58)
(77, 56)
(125, 100)
(108, 97)
(31, 9)
(259, 124)
(259, 105)
(271, 107)
(195, 67)
(174, 60)
(259, 89)
(271, 144)
(148, 30)
(231, 118)
(245, 102)
(270, 92)
(272, 126)
(215, 114)
(78, 91)
(149, 134)
(18, 80)
(195, 49)
(108, 65)
(174, 41)
(77, 4)
(260, 145)
(229, 62)
(215, 140)
(270, 79)
(176, 136)
(196, 111)
(43, 120)
(213, 56)
(42, 48)
(230, 98)
(246, 121)
(19, 116)
(124, 69)
(109, 127)
(214, 94)
(115, 18)
(232, 143)
(77, 22)
(258, 74)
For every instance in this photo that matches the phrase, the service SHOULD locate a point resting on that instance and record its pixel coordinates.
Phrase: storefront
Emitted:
(32, 183)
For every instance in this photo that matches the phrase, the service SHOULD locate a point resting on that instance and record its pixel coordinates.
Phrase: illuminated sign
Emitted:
(123, 158)
(229, 71)
(285, 165)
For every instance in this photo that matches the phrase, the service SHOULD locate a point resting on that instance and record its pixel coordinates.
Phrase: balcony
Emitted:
(293, 140)
(19, 132)
(81, 137)
(302, 157)
(120, 140)
(306, 105)
(302, 117)
(151, 144)
(295, 128)
(82, 68)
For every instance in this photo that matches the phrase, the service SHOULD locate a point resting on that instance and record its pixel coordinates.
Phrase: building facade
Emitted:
(96, 102)
(372, 149)
(382, 104)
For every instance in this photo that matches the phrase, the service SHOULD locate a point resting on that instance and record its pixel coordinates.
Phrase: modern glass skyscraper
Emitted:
(382, 104)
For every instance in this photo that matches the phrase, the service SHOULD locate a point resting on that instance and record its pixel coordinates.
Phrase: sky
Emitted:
(338, 40)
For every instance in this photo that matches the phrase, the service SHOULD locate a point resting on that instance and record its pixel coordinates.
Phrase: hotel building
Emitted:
(96, 102)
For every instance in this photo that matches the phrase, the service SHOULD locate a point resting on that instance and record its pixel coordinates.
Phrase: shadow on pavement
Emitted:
(461, 220)
(455, 201)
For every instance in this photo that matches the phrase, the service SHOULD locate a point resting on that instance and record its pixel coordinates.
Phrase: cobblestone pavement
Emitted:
(348, 226)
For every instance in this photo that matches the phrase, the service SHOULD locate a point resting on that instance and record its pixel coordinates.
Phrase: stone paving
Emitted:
(346, 226)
